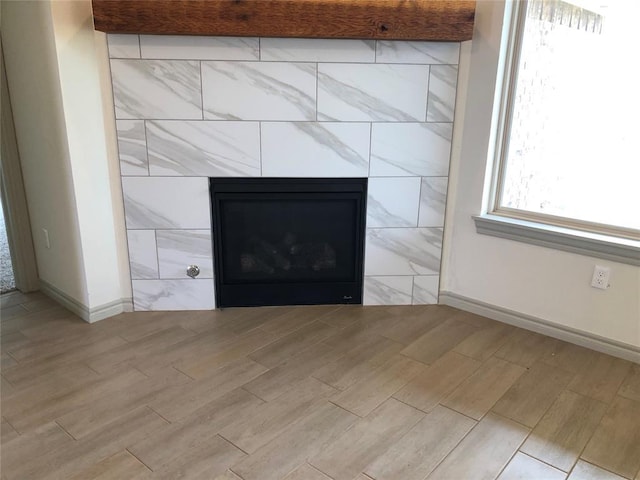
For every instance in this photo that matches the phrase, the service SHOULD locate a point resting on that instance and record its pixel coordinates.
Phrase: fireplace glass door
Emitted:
(288, 241)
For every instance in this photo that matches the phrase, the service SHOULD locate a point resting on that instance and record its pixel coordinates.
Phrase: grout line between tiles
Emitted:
(138, 459)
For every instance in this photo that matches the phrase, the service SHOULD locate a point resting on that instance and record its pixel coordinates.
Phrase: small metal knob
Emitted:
(193, 271)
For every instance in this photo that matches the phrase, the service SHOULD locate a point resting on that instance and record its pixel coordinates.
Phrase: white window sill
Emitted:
(617, 249)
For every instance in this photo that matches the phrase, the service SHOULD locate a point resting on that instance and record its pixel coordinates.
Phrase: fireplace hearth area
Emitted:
(288, 241)
(332, 112)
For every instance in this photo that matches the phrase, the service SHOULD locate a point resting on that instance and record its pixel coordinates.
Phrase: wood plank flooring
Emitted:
(307, 393)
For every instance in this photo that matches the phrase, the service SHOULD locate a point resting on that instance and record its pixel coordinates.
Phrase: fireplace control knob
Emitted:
(193, 271)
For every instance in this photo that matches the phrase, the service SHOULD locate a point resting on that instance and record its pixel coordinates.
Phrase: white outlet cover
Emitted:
(600, 278)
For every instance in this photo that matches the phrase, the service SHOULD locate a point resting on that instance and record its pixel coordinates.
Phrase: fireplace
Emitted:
(193, 108)
(288, 241)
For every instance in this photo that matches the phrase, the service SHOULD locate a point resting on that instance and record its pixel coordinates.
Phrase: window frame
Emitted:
(580, 236)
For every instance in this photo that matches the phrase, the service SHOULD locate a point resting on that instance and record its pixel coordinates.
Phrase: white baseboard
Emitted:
(568, 334)
(89, 315)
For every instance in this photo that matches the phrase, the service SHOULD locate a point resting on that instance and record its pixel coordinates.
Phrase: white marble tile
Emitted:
(204, 148)
(156, 89)
(132, 147)
(443, 81)
(407, 149)
(143, 257)
(191, 47)
(403, 251)
(166, 202)
(433, 198)
(361, 92)
(393, 202)
(309, 149)
(259, 91)
(425, 289)
(317, 50)
(178, 249)
(392, 290)
(417, 52)
(123, 46)
(191, 294)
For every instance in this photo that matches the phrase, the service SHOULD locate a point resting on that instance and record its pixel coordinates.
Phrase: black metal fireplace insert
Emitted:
(288, 241)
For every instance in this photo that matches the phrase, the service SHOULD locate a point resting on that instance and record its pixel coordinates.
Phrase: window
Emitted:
(568, 151)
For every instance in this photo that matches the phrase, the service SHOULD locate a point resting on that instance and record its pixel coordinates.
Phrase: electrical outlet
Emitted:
(45, 234)
(600, 277)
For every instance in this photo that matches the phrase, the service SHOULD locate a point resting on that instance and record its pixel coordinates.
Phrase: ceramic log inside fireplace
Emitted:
(288, 241)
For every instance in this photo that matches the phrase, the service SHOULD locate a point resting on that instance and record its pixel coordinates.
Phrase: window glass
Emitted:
(574, 128)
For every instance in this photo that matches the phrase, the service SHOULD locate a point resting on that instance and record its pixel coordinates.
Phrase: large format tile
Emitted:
(265, 422)
(524, 467)
(292, 344)
(532, 395)
(194, 430)
(166, 202)
(615, 445)
(378, 93)
(388, 290)
(485, 342)
(120, 465)
(403, 251)
(173, 294)
(443, 81)
(207, 149)
(393, 202)
(586, 471)
(631, 386)
(24, 447)
(366, 440)
(478, 393)
(292, 373)
(158, 89)
(436, 342)
(483, 452)
(416, 454)
(175, 405)
(132, 147)
(433, 198)
(192, 47)
(143, 258)
(178, 249)
(375, 388)
(205, 462)
(316, 50)
(428, 388)
(525, 348)
(601, 377)
(431, 53)
(300, 442)
(259, 91)
(426, 289)
(306, 472)
(310, 149)
(360, 359)
(565, 429)
(123, 46)
(407, 149)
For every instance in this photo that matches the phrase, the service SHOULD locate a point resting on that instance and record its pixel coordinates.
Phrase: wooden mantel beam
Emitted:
(435, 20)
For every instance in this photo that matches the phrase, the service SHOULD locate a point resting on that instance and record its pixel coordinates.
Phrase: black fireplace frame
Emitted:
(280, 293)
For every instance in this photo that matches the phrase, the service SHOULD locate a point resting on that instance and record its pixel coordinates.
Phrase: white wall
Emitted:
(56, 65)
(538, 282)
(80, 50)
(32, 74)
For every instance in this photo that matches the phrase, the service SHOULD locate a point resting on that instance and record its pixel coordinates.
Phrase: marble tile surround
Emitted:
(188, 108)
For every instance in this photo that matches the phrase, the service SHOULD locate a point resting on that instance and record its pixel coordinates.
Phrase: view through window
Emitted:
(574, 126)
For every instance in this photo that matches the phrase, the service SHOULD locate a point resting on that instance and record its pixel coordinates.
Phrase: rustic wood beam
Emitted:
(436, 20)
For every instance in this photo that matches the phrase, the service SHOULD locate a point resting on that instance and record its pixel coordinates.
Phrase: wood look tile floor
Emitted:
(307, 393)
